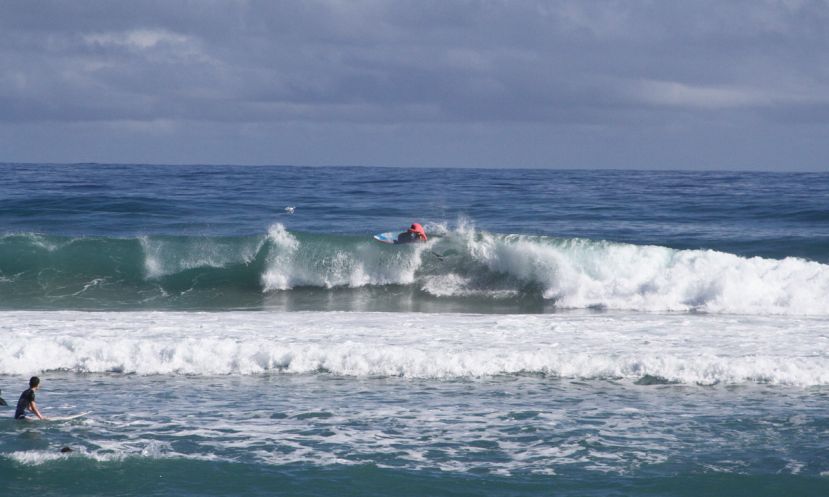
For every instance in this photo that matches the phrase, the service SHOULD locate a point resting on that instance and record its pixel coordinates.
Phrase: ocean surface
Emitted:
(237, 331)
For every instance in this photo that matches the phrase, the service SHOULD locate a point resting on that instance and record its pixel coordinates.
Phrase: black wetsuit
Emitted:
(26, 399)
(408, 237)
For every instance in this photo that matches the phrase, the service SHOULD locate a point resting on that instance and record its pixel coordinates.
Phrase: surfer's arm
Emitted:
(34, 409)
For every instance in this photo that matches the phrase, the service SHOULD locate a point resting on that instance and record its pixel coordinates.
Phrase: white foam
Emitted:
(583, 274)
(677, 347)
(35, 458)
(291, 264)
(115, 452)
(280, 258)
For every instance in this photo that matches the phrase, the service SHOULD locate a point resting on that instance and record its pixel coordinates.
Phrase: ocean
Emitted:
(235, 330)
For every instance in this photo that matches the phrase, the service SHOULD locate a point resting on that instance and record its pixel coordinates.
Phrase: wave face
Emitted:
(649, 348)
(458, 270)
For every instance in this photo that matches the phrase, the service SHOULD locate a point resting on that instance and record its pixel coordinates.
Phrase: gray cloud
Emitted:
(486, 69)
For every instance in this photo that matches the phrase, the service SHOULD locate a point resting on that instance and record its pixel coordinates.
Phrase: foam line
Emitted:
(671, 347)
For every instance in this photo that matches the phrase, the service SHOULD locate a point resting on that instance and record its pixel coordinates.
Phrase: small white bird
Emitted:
(290, 210)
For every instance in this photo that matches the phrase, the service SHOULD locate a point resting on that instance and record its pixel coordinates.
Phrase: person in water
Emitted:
(415, 233)
(27, 401)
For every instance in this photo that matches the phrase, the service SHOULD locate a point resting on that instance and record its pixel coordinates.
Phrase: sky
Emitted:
(637, 84)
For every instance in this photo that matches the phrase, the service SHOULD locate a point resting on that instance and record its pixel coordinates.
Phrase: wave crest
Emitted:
(578, 273)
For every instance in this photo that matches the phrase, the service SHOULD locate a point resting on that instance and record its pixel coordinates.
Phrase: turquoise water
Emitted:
(562, 333)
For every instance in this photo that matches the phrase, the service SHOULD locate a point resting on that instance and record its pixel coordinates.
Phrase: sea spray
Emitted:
(326, 262)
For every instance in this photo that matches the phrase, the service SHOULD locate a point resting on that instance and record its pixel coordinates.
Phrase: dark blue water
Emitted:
(763, 214)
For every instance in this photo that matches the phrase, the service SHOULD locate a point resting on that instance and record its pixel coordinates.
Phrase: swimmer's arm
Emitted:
(34, 409)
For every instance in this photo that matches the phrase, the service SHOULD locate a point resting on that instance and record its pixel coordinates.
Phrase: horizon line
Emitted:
(423, 167)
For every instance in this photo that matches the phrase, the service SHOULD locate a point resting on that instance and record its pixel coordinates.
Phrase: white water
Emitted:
(684, 348)
(581, 274)
(291, 264)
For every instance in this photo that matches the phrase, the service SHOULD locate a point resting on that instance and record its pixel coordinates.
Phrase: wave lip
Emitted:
(672, 347)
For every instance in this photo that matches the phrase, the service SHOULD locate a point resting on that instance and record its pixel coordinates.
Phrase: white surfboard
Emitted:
(67, 418)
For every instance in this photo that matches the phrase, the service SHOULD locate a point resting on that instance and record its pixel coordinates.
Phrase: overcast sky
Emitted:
(658, 84)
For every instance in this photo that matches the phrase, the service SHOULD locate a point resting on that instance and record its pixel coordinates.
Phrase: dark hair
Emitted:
(34, 381)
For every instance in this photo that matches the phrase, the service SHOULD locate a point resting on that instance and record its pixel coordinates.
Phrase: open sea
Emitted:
(567, 333)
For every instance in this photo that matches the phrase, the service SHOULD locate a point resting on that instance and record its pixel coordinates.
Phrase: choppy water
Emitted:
(563, 332)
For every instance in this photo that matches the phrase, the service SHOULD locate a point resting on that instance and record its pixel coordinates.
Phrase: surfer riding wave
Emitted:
(415, 233)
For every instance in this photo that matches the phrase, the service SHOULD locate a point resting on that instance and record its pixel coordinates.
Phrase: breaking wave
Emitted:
(463, 265)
